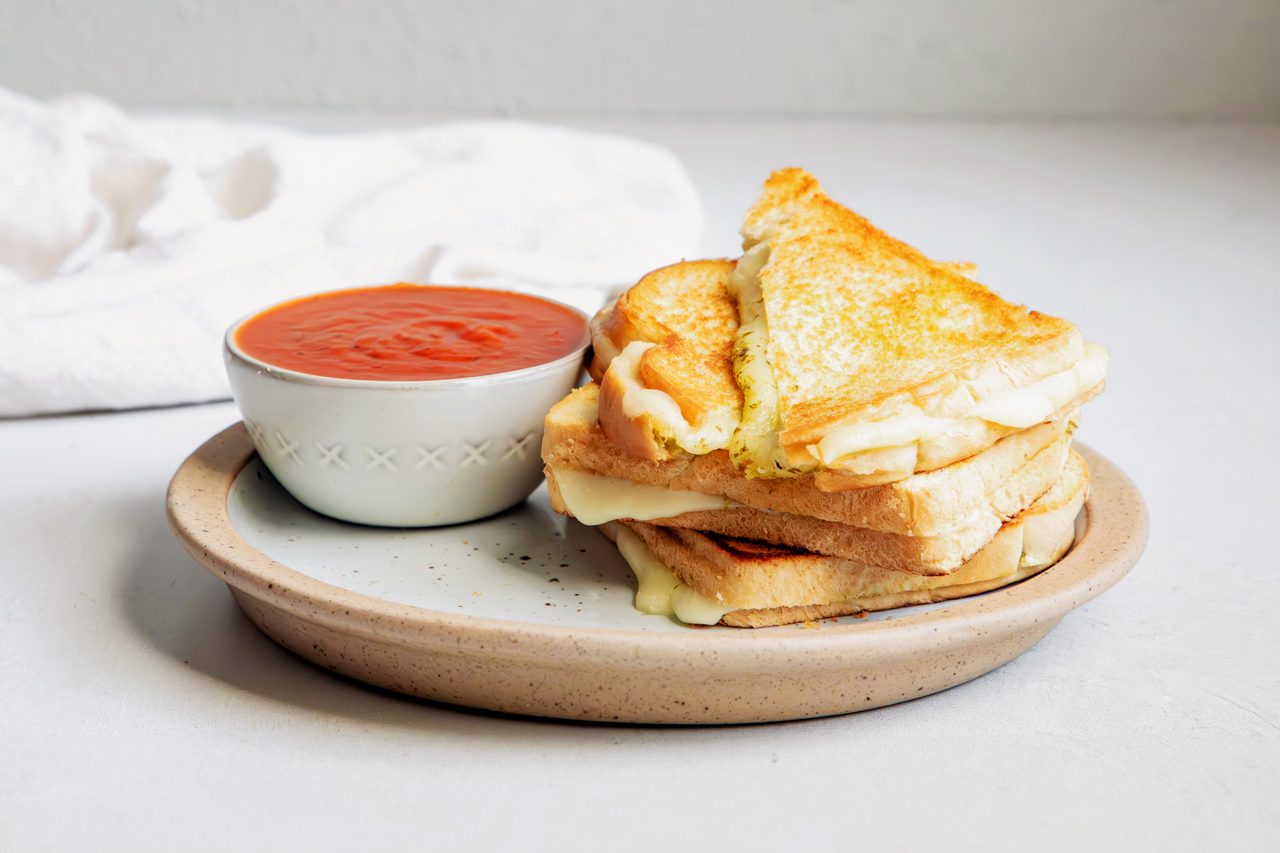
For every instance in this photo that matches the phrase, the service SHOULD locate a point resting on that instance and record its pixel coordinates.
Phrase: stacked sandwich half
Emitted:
(831, 423)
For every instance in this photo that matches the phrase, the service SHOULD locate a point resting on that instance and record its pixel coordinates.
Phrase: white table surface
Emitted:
(143, 712)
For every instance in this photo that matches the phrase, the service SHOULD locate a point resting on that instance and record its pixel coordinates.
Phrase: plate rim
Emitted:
(1115, 534)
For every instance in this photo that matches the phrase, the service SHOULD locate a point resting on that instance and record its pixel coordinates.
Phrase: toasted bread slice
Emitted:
(859, 356)
(596, 499)
(984, 489)
(687, 299)
(662, 356)
(925, 555)
(750, 584)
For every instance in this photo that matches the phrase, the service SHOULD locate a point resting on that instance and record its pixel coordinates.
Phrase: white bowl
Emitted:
(401, 454)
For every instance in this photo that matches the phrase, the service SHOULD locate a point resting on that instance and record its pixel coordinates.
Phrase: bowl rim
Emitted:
(232, 350)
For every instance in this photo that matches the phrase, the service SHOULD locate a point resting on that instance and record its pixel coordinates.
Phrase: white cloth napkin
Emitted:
(127, 246)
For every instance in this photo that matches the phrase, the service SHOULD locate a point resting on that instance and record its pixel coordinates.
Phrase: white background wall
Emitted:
(1150, 58)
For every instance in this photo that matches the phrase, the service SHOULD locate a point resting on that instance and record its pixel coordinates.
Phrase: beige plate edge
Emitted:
(638, 676)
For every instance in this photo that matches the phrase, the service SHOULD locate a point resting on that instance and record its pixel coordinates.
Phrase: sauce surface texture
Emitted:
(407, 332)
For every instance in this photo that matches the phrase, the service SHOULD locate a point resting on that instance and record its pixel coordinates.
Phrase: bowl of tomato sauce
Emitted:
(405, 405)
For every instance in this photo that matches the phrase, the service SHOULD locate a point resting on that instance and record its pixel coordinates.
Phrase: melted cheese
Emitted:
(1019, 408)
(693, 608)
(755, 445)
(658, 591)
(595, 499)
(1024, 407)
(654, 581)
(662, 409)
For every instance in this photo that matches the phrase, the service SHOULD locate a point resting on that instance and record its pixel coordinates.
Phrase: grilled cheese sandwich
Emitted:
(831, 423)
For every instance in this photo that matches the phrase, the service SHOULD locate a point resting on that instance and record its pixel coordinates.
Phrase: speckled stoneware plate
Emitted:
(530, 613)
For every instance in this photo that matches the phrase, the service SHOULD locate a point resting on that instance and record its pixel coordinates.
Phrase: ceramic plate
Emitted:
(528, 612)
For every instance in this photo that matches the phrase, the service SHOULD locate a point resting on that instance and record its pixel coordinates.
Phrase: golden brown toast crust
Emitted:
(793, 202)
(602, 347)
(636, 436)
(888, 328)
(685, 310)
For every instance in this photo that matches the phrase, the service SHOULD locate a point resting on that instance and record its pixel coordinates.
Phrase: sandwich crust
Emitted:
(685, 313)
(635, 434)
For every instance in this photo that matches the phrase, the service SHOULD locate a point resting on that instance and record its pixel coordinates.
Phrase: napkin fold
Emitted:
(129, 245)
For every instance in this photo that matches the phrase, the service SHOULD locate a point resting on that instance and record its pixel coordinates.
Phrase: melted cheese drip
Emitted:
(693, 608)
(654, 581)
(1019, 408)
(658, 591)
(755, 442)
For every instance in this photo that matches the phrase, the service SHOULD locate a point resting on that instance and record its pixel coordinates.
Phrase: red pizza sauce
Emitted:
(409, 332)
